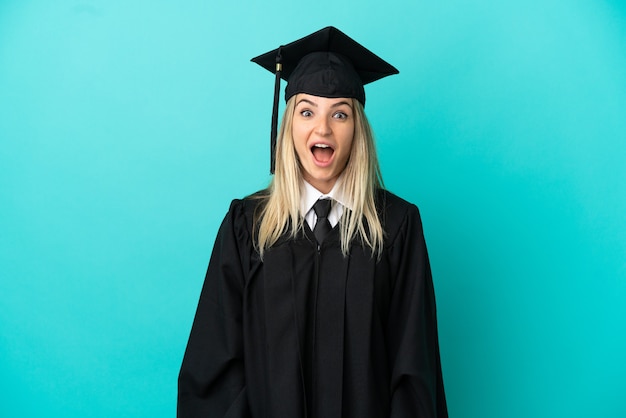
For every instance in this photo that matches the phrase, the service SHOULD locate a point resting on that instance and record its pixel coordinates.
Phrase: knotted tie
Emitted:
(322, 226)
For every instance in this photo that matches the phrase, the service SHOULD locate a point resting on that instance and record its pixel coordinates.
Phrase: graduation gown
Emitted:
(307, 332)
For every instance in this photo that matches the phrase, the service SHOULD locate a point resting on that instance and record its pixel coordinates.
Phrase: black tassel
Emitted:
(274, 132)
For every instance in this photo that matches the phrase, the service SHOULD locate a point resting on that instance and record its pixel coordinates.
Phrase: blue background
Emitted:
(126, 127)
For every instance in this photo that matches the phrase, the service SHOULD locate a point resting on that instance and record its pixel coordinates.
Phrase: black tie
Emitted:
(322, 226)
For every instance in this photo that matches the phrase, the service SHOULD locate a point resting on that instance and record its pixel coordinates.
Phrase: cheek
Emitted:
(347, 139)
(298, 132)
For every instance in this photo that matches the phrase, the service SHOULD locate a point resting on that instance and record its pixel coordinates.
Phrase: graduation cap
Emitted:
(326, 63)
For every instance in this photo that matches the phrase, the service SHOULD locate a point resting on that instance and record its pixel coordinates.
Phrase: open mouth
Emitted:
(322, 152)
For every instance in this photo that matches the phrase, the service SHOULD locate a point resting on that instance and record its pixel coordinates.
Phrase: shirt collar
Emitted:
(310, 195)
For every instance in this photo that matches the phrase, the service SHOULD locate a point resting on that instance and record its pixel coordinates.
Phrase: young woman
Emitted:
(318, 299)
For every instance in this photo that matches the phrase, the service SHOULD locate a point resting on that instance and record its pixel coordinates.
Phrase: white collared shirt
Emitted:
(310, 195)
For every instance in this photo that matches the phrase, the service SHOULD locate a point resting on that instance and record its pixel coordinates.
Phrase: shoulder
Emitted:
(397, 215)
(393, 208)
(243, 212)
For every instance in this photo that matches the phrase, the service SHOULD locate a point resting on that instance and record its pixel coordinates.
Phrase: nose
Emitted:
(323, 127)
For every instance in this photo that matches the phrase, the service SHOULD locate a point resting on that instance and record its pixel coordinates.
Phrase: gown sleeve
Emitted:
(211, 382)
(416, 379)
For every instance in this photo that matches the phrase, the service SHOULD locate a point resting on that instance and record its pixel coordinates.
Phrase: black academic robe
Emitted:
(310, 333)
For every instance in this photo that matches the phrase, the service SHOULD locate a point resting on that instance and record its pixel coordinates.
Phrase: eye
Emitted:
(306, 113)
(340, 115)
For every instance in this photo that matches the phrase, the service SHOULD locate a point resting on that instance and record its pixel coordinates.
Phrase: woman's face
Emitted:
(323, 130)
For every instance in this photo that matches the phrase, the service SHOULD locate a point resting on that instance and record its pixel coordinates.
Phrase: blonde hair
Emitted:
(280, 212)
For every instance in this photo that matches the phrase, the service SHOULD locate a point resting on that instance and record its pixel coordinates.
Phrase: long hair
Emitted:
(280, 213)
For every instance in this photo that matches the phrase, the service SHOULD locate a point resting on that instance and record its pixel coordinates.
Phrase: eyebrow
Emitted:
(306, 101)
(342, 103)
(332, 106)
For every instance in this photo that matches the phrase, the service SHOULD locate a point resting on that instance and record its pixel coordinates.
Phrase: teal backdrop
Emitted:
(126, 127)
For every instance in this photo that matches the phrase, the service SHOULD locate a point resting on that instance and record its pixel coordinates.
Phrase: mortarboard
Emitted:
(326, 63)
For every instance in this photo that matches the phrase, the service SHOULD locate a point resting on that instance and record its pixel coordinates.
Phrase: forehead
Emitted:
(303, 98)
